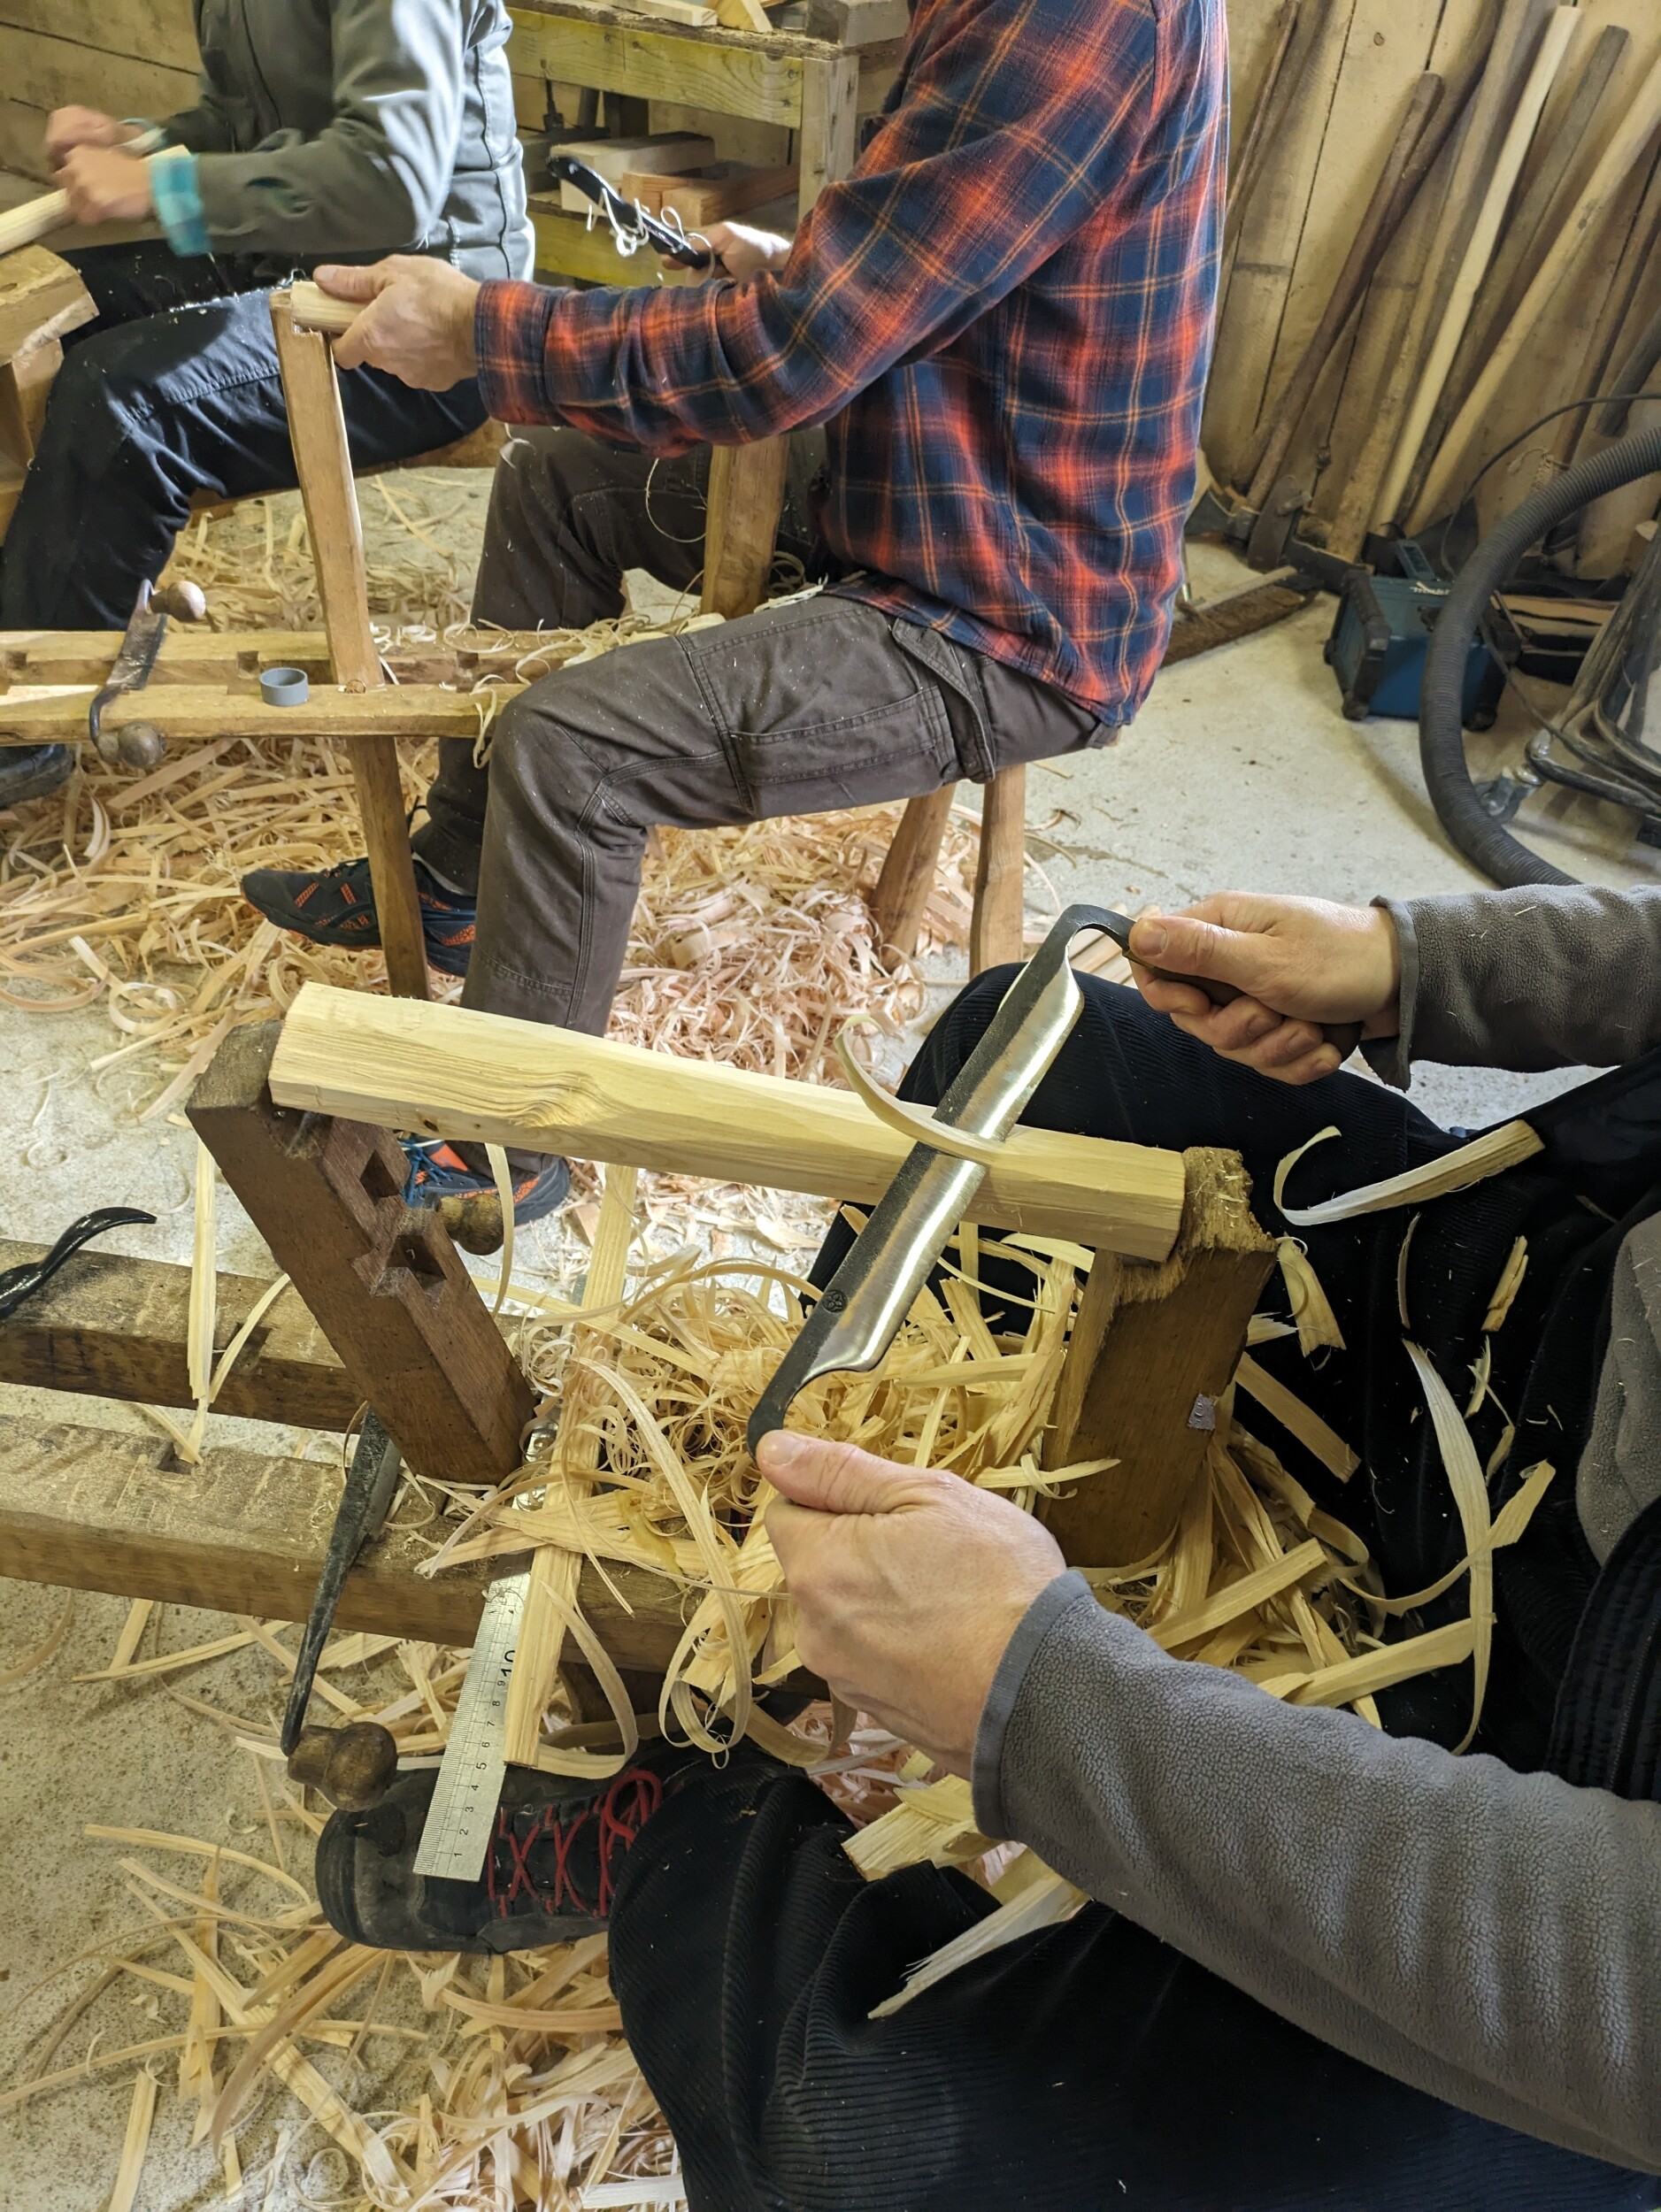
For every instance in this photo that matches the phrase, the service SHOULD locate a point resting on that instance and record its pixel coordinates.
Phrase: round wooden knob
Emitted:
(185, 601)
(353, 1767)
(141, 745)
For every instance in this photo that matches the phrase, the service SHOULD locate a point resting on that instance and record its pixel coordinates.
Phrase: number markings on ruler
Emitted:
(462, 1814)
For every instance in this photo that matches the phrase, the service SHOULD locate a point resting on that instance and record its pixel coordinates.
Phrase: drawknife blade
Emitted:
(859, 1313)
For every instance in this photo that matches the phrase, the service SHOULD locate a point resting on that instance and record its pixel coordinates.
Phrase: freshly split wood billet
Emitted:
(449, 1072)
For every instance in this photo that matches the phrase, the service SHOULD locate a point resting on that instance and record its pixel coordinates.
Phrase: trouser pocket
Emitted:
(818, 708)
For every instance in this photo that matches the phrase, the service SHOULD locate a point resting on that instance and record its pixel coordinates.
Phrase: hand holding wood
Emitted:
(414, 320)
(105, 184)
(1310, 978)
(908, 1584)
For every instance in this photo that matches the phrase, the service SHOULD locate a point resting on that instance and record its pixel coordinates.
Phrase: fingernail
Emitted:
(778, 1451)
(1260, 1025)
(1151, 937)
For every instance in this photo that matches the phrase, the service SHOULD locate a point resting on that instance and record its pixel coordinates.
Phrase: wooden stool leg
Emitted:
(907, 871)
(995, 934)
(746, 498)
(323, 463)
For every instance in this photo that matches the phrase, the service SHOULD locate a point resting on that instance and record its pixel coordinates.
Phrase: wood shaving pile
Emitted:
(751, 945)
(422, 529)
(464, 2083)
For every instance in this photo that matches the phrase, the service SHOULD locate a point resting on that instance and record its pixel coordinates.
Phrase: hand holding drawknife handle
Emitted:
(859, 1313)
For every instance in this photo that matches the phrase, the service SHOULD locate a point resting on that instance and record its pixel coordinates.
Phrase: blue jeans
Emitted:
(173, 390)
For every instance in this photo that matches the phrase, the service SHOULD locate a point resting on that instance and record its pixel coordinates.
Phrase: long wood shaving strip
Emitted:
(1488, 1155)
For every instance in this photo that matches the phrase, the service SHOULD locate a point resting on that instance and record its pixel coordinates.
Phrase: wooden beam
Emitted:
(385, 1282)
(213, 657)
(1153, 1350)
(113, 1327)
(196, 714)
(449, 1072)
(93, 1509)
(729, 72)
(323, 463)
(828, 144)
(55, 72)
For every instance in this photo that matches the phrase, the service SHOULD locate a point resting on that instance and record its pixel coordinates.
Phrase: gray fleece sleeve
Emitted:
(1537, 977)
(376, 179)
(1492, 1938)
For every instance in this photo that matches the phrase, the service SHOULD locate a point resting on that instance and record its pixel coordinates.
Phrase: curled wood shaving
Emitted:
(1488, 1155)
(1505, 1290)
(1312, 1308)
(1470, 1496)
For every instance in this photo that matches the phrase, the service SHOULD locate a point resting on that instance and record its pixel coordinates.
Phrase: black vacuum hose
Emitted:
(1486, 842)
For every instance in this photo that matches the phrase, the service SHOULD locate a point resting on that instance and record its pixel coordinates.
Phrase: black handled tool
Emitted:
(861, 1309)
(139, 744)
(371, 1481)
(1345, 1035)
(672, 245)
(18, 1282)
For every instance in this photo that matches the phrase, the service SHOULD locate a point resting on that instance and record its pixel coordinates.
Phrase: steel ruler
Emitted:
(462, 1814)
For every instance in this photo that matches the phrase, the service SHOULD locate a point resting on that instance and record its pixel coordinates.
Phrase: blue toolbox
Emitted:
(1381, 635)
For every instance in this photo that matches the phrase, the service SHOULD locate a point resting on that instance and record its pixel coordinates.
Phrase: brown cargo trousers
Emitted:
(825, 702)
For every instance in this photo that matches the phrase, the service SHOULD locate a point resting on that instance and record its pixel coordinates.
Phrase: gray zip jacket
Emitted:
(1491, 1937)
(347, 129)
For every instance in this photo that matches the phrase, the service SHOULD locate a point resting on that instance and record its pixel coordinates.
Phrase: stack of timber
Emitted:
(1442, 226)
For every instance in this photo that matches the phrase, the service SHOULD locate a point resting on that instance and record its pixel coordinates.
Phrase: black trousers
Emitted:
(1090, 2066)
(173, 390)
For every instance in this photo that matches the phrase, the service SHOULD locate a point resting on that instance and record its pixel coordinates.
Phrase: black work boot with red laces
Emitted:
(548, 1875)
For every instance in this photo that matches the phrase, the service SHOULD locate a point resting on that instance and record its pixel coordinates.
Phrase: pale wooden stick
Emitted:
(34, 218)
(314, 309)
(1477, 254)
(554, 1570)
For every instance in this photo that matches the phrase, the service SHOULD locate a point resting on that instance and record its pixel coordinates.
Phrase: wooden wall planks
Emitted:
(1355, 82)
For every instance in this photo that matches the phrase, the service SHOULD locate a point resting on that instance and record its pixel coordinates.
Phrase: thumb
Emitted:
(347, 283)
(1188, 946)
(837, 1478)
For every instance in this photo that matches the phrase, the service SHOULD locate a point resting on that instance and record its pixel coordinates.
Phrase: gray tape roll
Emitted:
(284, 687)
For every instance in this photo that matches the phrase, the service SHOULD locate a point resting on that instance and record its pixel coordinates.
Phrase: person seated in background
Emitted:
(1002, 319)
(1326, 1965)
(344, 129)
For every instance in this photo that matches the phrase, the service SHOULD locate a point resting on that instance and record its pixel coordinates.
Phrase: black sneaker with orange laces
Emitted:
(550, 1872)
(337, 907)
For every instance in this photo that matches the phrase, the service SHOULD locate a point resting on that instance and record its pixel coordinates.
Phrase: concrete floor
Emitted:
(1241, 773)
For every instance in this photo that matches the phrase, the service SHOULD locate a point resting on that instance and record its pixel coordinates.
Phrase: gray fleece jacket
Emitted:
(347, 129)
(1491, 1937)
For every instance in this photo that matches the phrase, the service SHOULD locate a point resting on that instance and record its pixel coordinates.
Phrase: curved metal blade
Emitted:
(859, 1313)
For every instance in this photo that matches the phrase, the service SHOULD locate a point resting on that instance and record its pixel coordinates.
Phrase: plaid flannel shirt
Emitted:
(1003, 316)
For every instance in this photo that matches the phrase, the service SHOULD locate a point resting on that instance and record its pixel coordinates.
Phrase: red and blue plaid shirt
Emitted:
(1002, 317)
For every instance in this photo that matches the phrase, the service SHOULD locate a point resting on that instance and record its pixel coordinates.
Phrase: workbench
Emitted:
(811, 87)
(381, 1309)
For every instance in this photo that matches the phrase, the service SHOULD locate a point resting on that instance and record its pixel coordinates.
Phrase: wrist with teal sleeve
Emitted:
(177, 192)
